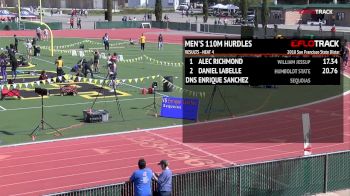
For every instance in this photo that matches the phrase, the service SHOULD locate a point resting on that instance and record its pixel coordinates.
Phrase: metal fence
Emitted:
(224, 29)
(295, 176)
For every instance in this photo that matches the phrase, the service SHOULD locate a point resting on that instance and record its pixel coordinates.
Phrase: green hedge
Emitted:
(28, 25)
(118, 24)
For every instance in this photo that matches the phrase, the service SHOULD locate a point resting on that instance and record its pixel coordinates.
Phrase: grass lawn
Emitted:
(65, 112)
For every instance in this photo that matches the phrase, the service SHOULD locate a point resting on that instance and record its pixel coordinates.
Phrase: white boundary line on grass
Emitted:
(173, 126)
(73, 104)
(2, 108)
(346, 75)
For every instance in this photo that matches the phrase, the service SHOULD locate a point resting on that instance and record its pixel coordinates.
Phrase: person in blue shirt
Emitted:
(164, 180)
(142, 179)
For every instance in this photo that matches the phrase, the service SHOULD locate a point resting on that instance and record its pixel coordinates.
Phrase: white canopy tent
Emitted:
(232, 7)
(219, 6)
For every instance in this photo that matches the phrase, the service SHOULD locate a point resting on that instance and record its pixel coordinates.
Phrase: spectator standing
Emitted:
(71, 22)
(164, 180)
(142, 42)
(105, 40)
(142, 179)
(38, 33)
(79, 23)
(160, 42)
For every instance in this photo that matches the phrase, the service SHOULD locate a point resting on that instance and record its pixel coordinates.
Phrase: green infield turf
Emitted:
(138, 70)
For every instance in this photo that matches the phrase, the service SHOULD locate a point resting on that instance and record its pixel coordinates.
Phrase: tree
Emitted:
(158, 10)
(244, 9)
(256, 22)
(265, 16)
(205, 11)
(109, 10)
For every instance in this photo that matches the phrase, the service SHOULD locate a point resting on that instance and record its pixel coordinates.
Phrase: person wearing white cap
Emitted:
(164, 180)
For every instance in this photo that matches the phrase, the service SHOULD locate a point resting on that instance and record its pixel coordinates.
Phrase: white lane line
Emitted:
(192, 147)
(2, 108)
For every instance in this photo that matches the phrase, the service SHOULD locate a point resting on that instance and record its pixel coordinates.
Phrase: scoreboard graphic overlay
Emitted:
(240, 77)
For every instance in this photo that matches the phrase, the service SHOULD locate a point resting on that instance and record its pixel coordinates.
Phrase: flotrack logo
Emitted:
(316, 11)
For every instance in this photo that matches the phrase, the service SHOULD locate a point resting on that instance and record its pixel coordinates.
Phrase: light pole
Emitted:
(19, 10)
(41, 12)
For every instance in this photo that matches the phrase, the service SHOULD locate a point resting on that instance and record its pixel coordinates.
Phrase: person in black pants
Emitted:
(87, 67)
(16, 43)
(14, 64)
(105, 40)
